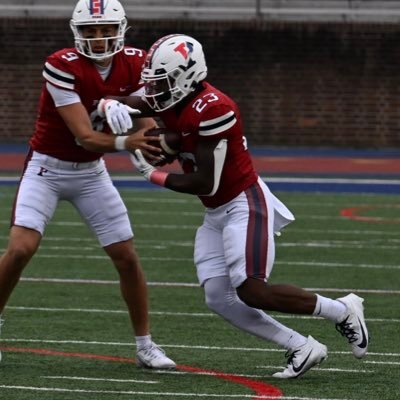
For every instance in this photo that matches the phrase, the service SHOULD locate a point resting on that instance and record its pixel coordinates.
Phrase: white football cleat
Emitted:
(153, 357)
(353, 325)
(302, 358)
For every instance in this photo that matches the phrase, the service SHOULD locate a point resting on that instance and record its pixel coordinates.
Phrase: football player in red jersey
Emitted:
(234, 247)
(65, 160)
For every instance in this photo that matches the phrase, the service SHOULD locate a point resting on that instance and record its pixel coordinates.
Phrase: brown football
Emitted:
(169, 144)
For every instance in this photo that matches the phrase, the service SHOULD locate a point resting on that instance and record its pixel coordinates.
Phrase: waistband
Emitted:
(61, 164)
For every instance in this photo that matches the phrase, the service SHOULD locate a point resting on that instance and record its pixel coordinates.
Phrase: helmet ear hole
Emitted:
(194, 85)
(175, 73)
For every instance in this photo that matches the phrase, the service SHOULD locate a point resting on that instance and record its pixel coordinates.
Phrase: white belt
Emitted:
(61, 164)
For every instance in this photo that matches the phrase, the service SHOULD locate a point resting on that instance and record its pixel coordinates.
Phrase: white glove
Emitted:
(117, 115)
(141, 164)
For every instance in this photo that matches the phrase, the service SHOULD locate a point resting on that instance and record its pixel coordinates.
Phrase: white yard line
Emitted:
(302, 244)
(333, 245)
(336, 264)
(85, 378)
(140, 196)
(346, 232)
(177, 394)
(178, 346)
(351, 232)
(105, 282)
(183, 284)
(126, 392)
(177, 314)
(194, 226)
(189, 260)
(383, 362)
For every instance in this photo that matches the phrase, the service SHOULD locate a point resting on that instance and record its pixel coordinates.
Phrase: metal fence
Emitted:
(279, 10)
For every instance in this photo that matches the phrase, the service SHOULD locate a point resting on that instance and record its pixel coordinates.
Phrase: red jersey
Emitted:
(212, 114)
(67, 69)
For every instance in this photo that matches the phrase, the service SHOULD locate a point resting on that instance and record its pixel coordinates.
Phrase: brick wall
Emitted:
(297, 84)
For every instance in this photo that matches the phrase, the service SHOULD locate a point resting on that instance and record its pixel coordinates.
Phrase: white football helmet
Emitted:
(174, 65)
(98, 12)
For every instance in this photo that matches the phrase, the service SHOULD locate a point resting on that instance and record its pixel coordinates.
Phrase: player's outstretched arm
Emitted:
(77, 119)
(210, 157)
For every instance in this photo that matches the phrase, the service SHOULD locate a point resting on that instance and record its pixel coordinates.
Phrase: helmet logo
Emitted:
(96, 8)
(185, 49)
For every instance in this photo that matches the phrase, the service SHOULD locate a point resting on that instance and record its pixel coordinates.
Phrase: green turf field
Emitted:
(67, 311)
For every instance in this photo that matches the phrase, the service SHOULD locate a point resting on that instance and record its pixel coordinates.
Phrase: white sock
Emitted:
(329, 309)
(142, 342)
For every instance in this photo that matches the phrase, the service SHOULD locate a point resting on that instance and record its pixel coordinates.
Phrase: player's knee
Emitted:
(127, 264)
(216, 301)
(213, 301)
(252, 292)
(19, 256)
(123, 256)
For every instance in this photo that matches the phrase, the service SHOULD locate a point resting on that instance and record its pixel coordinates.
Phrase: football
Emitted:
(169, 144)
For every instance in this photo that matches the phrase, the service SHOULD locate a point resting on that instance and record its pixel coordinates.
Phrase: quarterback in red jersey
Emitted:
(65, 159)
(234, 248)
(69, 74)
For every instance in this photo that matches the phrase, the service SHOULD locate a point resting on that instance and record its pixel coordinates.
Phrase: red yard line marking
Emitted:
(261, 389)
(263, 164)
(354, 214)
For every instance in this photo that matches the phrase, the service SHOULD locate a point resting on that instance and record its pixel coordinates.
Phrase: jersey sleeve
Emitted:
(217, 120)
(57, 72)
(62, 97)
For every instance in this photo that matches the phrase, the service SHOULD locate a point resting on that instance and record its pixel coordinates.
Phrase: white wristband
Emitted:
(119, 143)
